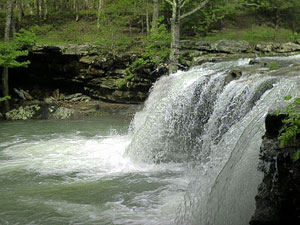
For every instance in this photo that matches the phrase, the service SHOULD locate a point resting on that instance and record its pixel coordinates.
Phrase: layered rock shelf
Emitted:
(195, 53)
(82, 68)
(108, 77)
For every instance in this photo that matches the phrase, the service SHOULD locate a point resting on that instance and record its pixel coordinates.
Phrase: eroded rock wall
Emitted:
(278, 200)
(83, 68)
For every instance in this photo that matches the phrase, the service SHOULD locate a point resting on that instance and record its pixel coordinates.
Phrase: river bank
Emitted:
(77, 80)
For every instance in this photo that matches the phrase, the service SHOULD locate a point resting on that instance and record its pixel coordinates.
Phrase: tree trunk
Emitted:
(20, 10)
(76, 10)
(37, 8)
(8, 26)
(44, 9)
(30, 6)
(100, 13)
(147, 17)
(155, 14)
(13, 26)
(8, 23)
(175, 38)
(277, 18)
(175, 29)
(5, 90)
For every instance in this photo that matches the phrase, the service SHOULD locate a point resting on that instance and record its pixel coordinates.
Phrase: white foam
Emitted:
(81, 157)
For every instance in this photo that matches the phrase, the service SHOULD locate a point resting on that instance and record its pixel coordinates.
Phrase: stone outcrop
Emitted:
(278, 199)
(86, 69)
(197, 52)
(76, 106)
(111, 78)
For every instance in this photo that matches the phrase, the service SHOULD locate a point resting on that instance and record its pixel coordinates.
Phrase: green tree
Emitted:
(277, 9)
(10, 52)
(179, 12)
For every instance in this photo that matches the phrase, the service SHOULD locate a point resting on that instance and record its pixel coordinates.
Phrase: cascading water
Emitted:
(198, 117)
(190, 157)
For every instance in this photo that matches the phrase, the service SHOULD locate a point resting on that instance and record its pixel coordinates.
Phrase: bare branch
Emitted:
(183, 3)
(195, 9)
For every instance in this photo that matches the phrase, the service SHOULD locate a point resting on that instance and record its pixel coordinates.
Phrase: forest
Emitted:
(129, 24)
(153, 29)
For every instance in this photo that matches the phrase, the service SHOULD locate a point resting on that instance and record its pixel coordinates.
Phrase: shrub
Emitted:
(291, 126)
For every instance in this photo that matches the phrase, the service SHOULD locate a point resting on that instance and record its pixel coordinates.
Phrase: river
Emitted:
(190, 156)
(75, 172)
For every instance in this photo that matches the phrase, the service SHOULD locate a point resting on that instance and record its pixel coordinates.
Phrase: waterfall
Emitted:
(216, 127)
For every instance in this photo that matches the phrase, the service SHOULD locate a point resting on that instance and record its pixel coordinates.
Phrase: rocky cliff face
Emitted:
(83, 68)
(278, 200)
(59, 71)
(105, 76)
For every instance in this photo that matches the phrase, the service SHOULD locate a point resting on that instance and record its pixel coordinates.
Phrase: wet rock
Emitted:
(78, 97)
(200, 60)
(233, 75)
(23, 94)
(278, 199)
(258, 62)
(62, 113)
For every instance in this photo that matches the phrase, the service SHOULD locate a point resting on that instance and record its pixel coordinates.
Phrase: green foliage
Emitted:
(139, 62)
(158, 44)
(212, 15)
(291, 126)
(42, 29)
(274, 66)
(5, 98)
(25, 38)
(123, 82)
(157, 48)
(11, 51)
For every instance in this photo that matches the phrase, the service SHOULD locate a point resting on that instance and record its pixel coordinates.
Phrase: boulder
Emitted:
(288, 47)
(267, 47)
(233, 75)
(74, 49)
(230, 46)
(62, 113)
